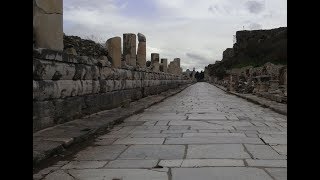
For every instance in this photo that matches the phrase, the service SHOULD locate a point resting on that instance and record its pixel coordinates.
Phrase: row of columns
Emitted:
(132, 58)
(48, 33)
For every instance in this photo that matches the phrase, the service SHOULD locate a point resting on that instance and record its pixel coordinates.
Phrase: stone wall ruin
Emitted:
(268, 81)
(74, 81)
(262, 56)
(174, 66)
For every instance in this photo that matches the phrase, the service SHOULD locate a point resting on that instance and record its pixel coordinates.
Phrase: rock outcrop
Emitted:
(256, 64)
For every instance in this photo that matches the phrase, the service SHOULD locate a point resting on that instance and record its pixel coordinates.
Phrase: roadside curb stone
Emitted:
(275, 106)
(54, 140)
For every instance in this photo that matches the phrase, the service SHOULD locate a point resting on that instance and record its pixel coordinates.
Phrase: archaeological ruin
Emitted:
(174, 66)
(118, 108)
(74, 77)
(257, 64)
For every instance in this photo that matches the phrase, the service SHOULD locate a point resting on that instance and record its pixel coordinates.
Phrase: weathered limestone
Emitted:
(227, 151)
(155, 62)
(140, 141)
(268, 81)
(153, 152)
(50, 6)
(154, 57)
(78, 80)
(100, 153)
(141, 53)
(164, 64)
(133, 163)
(177, 60)
(206, 153)
(211, 162)
(117, 174)
(48, 24)
(84, 164)
(113, 46)
(66, 86)
(219, 173)
(278, 173)
(263, 152)
(174, 66)
(267, 163)
(129, 49)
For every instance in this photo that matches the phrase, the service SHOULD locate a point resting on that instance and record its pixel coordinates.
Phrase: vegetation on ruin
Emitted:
(254, 48)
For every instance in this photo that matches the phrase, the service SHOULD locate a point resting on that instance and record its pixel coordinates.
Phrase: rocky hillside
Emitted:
(253, 48)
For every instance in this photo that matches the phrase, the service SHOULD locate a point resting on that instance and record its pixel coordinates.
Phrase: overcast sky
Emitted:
(197, 31)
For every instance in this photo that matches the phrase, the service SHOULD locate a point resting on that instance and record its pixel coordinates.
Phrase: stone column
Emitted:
(156, 67)
(154, 57)
(48, 24)
(164, 63)
(113, 46)
(177, 60)
(141, 53)
(155, 62)
(129, 48)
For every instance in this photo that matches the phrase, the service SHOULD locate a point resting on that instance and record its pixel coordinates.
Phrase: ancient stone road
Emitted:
(201, 133)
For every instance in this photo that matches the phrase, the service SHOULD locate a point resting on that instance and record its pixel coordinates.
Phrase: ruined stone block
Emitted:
(164, 63)
(50, 6)
(95, 86)
(80, 71)
(129, 49)
(129, 75)
(113, 46)
(106, 86)
(47, 70)
(141, 52)
(118, 85)
(45, 89)
(122, 73)
(67, 88)
(86, 87)
(156, 67)
(174, 67)
(48, 24)
(129, 84)
(66, 110)
(43, 109)
(137, 75)
(106, 73)
(154, 57)
(138, 83)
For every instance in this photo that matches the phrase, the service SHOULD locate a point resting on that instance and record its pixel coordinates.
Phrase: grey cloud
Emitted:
(85, 5)
(195, 60)
(215, 31)
(214, 8)
(268, 15)
(255, 26)
(255, 6)
(196, 56)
